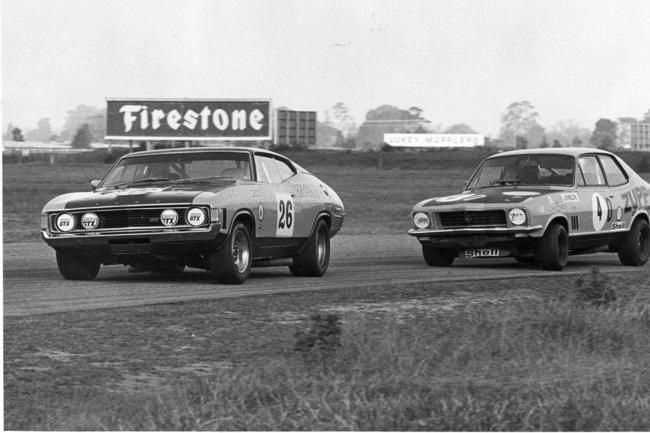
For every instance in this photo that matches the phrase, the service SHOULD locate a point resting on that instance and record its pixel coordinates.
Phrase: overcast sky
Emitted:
(460, 61)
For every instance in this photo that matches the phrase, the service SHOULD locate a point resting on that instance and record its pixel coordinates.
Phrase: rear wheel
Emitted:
(635, 249)
(231, 264)
(76, 267)
(314, 259)
(438, 256)
(553, 248)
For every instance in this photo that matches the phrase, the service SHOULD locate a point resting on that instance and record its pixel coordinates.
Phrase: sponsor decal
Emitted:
(460, 197)
(635, 198)
(286, 215)
(618, 225)
(188, 119)
(520, 193)
(570, 197)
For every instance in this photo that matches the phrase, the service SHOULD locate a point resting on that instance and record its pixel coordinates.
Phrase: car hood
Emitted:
(492, 196)
(149, 195)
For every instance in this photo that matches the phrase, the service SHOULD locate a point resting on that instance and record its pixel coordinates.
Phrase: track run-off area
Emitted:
(32, 284)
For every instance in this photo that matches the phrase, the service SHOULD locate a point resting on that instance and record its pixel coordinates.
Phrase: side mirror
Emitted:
(94, 183)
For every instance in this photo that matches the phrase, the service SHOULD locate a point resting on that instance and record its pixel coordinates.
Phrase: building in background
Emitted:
(634, 136)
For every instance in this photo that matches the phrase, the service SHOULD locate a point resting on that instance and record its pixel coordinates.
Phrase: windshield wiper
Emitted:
(201, 179)
(506, 182)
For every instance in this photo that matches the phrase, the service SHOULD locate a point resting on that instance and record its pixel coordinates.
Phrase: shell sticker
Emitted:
(260, 212)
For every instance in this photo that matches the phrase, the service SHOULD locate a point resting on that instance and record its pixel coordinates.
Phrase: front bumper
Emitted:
(475, 237)
(164, 241)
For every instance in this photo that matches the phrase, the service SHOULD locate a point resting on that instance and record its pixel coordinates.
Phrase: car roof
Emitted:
(568, 151)
(201, 149)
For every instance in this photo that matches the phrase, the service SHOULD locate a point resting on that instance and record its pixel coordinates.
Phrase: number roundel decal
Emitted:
(286, 215)
(599, 211)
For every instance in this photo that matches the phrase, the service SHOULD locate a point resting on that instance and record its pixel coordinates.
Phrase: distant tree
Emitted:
(94, 117)
(576, 142)
(340, 118)
(556, 143)
(459, 128)
(520, 120)
(521, 142)
(83, 137)
(544, 143)
(17, 134)
(42, 133)
(568, 130)
(604, 135)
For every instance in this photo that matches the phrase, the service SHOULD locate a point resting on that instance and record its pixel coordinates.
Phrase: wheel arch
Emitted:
(557, 219)
(245, 216)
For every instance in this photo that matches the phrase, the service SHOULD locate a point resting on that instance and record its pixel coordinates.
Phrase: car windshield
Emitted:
(528, 169)
(190, 167)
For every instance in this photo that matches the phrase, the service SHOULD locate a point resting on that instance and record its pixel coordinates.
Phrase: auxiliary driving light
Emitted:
(517, 216)
(89, 221)
(195, 217)
(421, 220)
(169, 217)
(65, 222)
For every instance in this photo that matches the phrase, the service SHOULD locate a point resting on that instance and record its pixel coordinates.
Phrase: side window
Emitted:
(593, 175)
(615, 175)
(267, 170)
(284, 169)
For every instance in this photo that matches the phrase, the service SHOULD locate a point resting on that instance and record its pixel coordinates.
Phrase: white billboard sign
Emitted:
(434, 140)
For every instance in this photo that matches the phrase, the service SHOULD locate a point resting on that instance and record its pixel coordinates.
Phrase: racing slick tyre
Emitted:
(76, 267)
(635, 248)
(438, 256)
(314, 259)
(553, 248)
(231, 264)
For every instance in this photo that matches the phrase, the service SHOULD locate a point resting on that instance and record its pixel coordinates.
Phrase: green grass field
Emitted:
(494, 355)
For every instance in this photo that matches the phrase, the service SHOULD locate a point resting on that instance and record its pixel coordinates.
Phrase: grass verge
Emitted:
(516, 355)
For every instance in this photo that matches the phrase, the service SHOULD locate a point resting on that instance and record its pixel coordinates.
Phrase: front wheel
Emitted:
(314, 259)
(553, 248)
(635, 249)
(438, 256)
(76, 267)
(231, 264)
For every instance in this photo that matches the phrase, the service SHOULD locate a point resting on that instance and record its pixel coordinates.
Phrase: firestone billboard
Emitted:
(182, 119)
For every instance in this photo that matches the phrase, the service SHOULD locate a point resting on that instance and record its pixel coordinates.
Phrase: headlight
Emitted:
(517, 216)
(65, 222)
(195, 217)
(169, 217)
(421, 220)
(89, 221)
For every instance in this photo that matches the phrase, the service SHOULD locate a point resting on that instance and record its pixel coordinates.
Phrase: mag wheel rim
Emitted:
(240, 252)
(321, 247)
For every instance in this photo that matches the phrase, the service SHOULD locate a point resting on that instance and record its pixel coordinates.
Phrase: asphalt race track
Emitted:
(33, 285)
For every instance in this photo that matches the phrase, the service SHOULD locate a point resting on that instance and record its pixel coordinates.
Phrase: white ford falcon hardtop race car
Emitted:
(540, 205)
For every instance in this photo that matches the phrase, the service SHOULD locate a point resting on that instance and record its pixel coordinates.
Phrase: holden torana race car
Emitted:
(220, 209)
(540, 205)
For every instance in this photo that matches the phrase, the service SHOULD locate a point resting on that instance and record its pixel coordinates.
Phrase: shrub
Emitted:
(595, 288)
(320, 341)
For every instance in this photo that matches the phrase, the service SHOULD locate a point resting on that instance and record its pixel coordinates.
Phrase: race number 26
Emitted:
(286, 215)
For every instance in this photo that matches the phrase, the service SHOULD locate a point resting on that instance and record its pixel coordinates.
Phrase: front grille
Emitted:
(127, 218)
(487, 218)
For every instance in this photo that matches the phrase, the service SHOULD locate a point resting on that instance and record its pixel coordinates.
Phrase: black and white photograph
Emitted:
(328, 215)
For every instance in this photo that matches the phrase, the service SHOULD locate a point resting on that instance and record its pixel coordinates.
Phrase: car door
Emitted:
(280, 229)
(618, 184)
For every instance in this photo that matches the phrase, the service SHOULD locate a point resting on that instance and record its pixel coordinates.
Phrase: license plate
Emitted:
(482, 252)
(131, 248)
